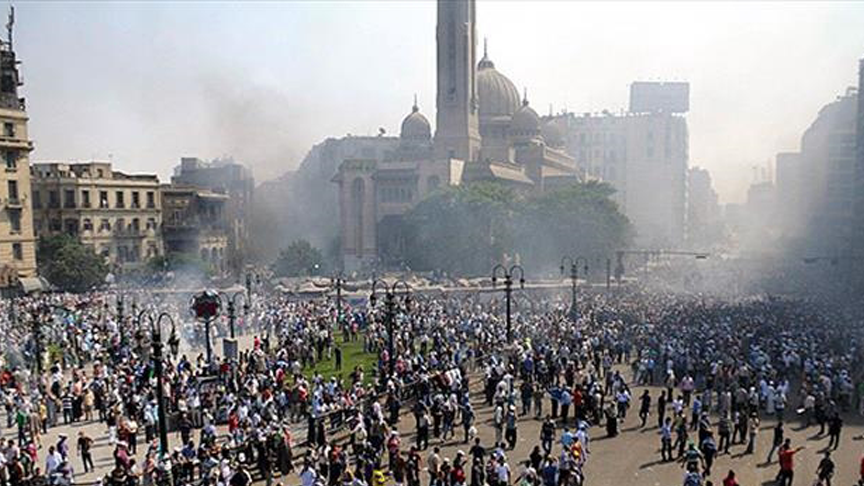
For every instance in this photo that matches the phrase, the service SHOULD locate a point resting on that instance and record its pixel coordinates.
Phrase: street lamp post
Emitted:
(390, 314)
(574, 279)
(120, 305)
(508, 288)
(156, 338)
(232, 310)
(206, 306)
(338, 281)
(38, 317)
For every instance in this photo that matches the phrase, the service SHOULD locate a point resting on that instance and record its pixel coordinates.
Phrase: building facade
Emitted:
(17, 240)
(195, 223)
(484, 132)
(642, 153)
(821, 179)
(118, 215)
(233, 180)
(704, 221)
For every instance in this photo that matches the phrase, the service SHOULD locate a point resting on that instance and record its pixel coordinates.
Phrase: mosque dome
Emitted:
(415, 126)
(525, 120)
(497, 95)
(552, 134)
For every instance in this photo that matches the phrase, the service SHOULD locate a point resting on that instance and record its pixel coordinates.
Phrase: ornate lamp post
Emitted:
(156, 339)
(205, 306)
(574, 279)
(232, 309)
(337, 281)
(508, 288)
(390, 314)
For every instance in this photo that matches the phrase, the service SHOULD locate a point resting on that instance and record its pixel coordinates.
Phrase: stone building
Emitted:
(643, 153)
(484, 131)
(17, 241)
(233, 180)
(195, 223)
(118, 215)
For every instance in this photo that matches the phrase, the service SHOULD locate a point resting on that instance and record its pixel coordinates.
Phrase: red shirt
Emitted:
(786, 462)
(730, 482)
(862, 467)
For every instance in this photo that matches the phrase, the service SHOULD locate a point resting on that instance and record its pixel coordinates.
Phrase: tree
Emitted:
(581, 219)
(460, 229)
(299, 259)
(69, 265)
(465, 230)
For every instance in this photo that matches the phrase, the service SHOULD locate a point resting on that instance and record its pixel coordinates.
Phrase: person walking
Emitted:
(85, 444)
(661, 409)
(835, 425)
(645, 407)
(752, 430)
(730, 480)
(777, 441)
(825, 471)
(666, 440)
(787, 463)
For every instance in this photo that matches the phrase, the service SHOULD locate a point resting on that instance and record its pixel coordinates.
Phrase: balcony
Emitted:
(15, 143)
(13, 203)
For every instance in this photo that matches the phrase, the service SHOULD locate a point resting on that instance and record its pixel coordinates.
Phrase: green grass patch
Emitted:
(352, 356)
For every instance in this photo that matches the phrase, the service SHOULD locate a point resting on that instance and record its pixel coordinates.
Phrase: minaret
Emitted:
(457, 131)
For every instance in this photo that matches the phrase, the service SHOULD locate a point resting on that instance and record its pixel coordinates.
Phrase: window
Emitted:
(151, 223)
(87, 224)
(103, 199)
(99, 173)
(53, 199)
(69, 198)
(11, 157)
(104, 225)
(135, 226)
(12, 187)
(85, 198)
(9, 130)
(119, 201)
(7, 83)
(120, 225)
(72, 226)
(136, 199)
(15, 221)
(55, 225)
(37, 200)
(17, 251)
(151, 199)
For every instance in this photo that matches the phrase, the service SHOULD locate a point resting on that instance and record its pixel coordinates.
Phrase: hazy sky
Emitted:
(149, 83)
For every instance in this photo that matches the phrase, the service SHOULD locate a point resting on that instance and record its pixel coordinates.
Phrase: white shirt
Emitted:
(308, 477)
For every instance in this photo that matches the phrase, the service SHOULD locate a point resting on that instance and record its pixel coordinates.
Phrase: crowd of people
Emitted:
(710, 370)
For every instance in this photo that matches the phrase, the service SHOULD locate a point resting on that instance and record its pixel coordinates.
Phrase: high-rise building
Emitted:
(118, 215)
(17, 242)
(643, 154)
(704, 227)
(816, 186)
(828, 150)
(790, 194)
